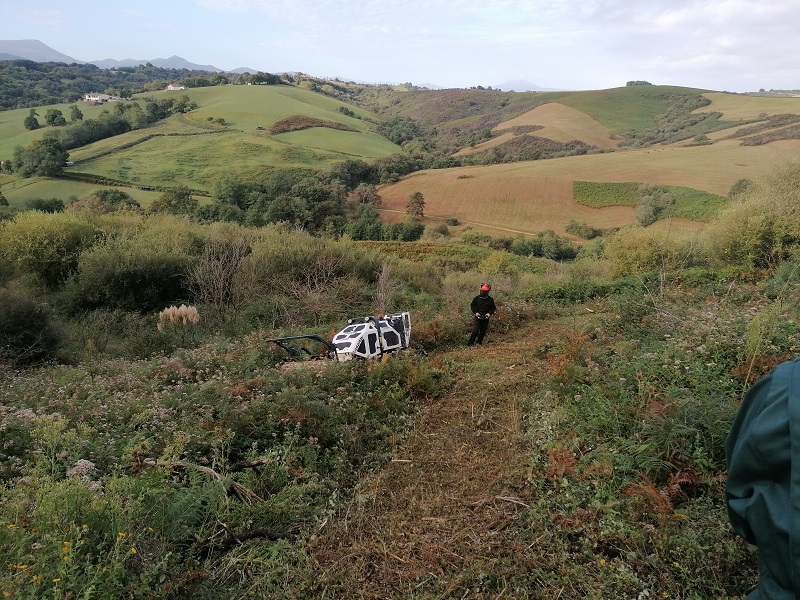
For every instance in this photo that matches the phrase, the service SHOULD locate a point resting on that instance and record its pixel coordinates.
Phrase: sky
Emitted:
(723, 45)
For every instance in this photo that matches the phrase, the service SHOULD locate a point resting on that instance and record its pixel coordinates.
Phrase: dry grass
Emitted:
(735, 107)
(535, 196)
(561, 123)
(564, 124)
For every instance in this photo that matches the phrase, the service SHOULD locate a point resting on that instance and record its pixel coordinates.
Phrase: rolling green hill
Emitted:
(241, 130)
(194, 149)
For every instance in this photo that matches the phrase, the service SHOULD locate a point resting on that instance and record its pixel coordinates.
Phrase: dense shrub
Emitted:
(637, 250)
(762, 224)
(28, 332)
(134, 494)
(48, 205)
(128, 274)
(46, 246)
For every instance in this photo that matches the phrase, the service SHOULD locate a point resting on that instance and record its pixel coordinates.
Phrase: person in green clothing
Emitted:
(762, 491)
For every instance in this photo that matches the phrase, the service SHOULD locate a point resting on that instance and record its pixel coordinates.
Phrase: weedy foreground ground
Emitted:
(513, 486)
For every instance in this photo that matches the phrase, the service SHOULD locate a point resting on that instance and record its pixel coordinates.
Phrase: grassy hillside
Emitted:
(13, 132)
(194, 149)
(736, 107)
(535, 196)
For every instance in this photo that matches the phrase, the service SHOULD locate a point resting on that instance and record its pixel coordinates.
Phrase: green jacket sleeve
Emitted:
(763, 484)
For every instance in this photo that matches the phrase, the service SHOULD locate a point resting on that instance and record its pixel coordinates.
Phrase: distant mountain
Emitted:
(34, 50)
(520, 85)
(39, 52)
(173, 62)
(241, 70)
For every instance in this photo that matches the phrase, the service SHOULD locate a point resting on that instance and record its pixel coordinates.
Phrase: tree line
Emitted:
(28, 84)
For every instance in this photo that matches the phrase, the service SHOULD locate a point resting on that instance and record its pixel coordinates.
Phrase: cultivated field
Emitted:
(535, 196)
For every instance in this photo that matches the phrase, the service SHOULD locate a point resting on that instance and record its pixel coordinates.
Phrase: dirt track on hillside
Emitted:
(440, 509)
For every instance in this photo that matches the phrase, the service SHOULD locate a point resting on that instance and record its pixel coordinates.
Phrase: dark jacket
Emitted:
(763, 485)
(483, 304)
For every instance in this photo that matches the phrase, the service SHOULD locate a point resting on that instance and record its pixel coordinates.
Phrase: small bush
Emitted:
(739, 187)
(784, 280)
(583, 230)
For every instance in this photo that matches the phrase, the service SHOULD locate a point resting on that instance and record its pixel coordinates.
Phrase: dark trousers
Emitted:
(479, 327)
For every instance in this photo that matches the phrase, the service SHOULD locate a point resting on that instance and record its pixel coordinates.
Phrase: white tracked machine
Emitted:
(363, 338)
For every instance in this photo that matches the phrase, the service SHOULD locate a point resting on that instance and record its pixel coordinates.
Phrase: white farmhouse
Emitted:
(172, 87)
(98, 98)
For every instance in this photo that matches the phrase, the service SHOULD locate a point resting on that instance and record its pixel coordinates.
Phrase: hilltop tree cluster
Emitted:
(25, 83)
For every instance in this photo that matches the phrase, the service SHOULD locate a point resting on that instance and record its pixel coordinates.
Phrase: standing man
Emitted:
(482, 308)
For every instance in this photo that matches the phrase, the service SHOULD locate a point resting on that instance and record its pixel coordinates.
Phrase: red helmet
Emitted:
(485, 287)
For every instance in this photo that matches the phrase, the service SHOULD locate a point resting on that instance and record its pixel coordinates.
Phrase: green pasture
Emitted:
(343, 142)
(65, 190)
(690, 203)
(191, 150)
(13, 132)
(247, 107)
(198, 160)
(243, 108)
(633, 108)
